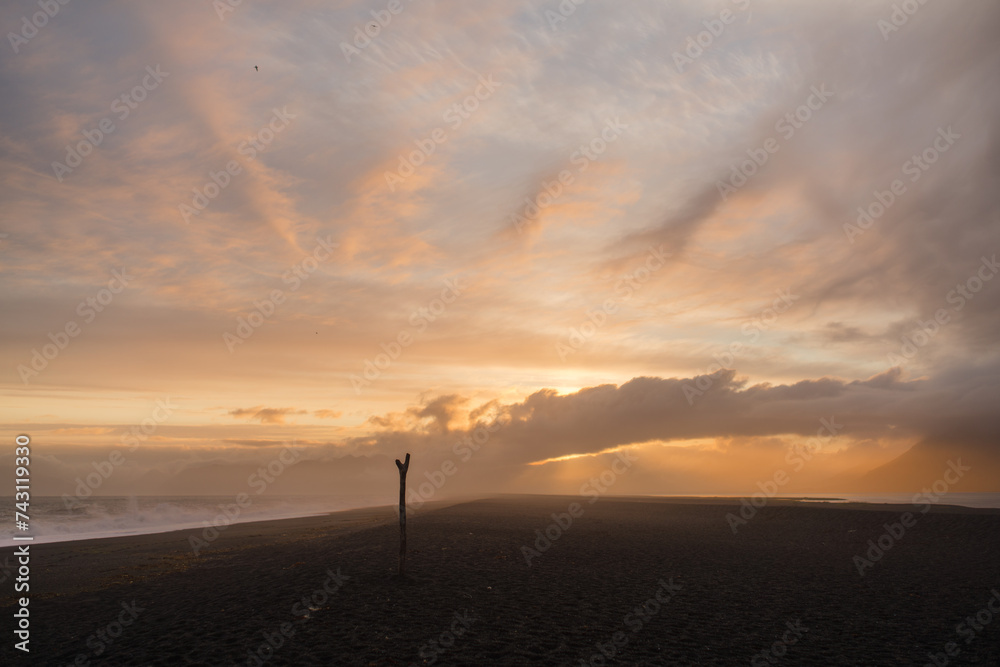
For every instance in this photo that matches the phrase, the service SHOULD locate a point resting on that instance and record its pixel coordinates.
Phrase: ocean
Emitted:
(109, 516)
(980, 500)
(51, 520)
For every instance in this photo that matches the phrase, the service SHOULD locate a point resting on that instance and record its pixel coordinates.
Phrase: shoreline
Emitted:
(832, 502)
(172, 550)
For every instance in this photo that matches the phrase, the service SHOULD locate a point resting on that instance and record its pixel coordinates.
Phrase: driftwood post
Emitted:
(403, 467)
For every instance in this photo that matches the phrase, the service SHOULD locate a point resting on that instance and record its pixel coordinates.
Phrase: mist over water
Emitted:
(114, 516)
(978, 500)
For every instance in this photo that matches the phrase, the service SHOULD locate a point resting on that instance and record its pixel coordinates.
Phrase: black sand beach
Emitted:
(646, 582)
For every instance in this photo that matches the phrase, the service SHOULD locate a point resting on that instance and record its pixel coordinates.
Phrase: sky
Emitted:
(702, 245)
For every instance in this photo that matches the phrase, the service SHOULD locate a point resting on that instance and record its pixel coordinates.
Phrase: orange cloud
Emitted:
(266, 415)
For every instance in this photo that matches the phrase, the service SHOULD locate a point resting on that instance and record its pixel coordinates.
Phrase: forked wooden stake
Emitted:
(403, 467)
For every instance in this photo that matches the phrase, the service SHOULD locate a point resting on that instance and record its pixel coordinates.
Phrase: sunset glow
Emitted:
(228, 231)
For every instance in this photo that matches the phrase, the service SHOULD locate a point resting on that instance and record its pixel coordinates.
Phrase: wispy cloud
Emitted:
(537, 148)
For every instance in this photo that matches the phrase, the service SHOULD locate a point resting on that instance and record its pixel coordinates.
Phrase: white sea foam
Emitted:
(51, 521)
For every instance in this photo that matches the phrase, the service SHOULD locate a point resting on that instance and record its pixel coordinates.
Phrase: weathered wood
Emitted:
(403, 467)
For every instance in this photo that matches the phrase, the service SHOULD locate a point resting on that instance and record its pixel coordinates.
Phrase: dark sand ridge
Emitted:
(732, 596)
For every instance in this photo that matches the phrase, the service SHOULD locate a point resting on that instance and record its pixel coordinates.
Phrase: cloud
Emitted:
(882, 432)
(266, 415)
(909, 289)
(549, 425)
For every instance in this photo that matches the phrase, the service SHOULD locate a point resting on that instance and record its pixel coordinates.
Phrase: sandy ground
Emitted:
(638, 582)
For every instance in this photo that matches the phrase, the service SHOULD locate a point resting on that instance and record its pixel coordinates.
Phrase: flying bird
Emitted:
(256, 68)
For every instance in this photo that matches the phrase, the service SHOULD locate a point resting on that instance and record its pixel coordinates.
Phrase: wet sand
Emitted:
(638, 582)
